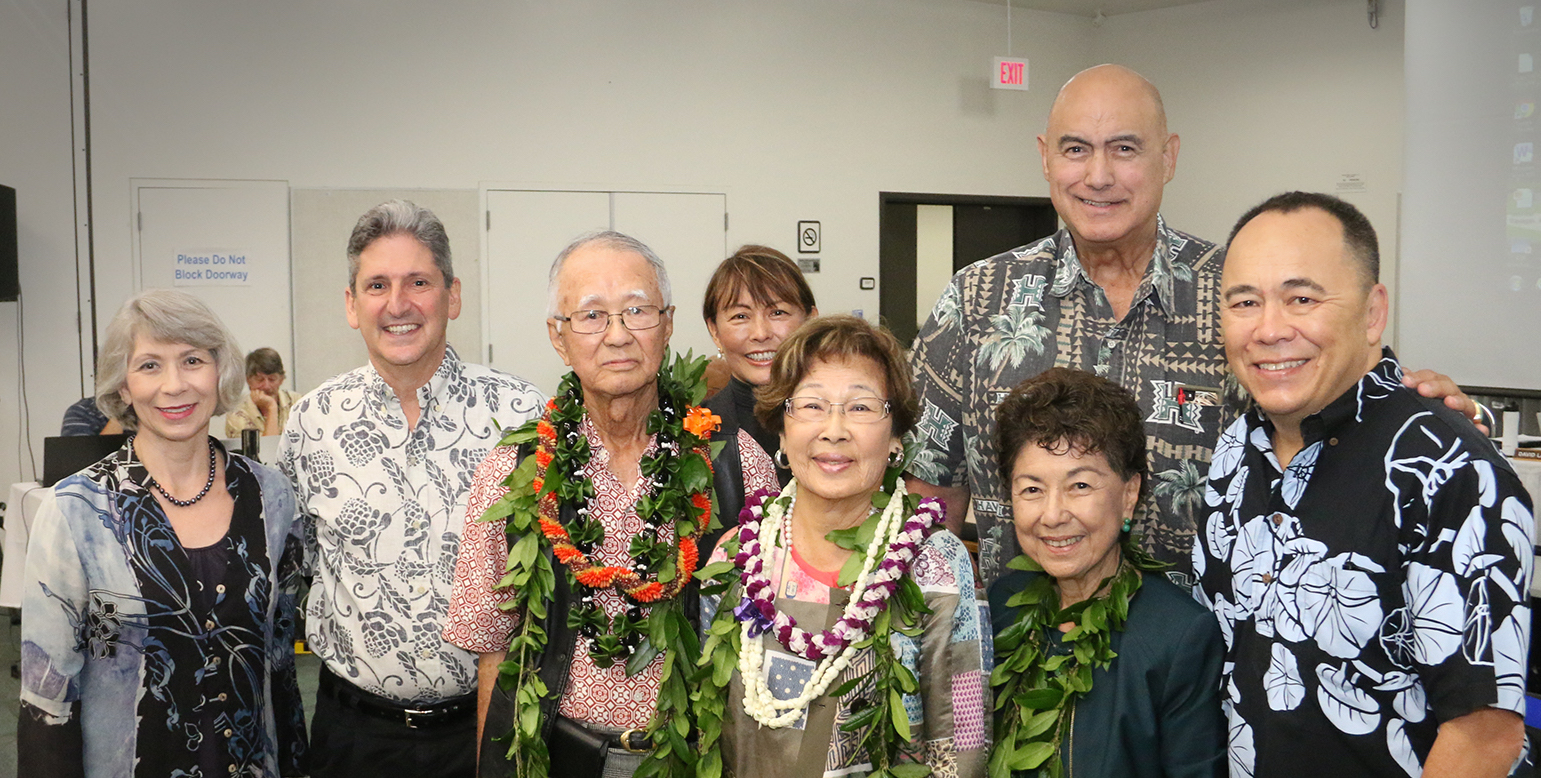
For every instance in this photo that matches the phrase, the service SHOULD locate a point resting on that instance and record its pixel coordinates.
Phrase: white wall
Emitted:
(933, 256)
(35, 159)
(799, 109)
(1273, 95)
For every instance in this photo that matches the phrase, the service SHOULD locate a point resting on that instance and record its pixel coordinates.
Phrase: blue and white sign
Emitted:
(213, 267)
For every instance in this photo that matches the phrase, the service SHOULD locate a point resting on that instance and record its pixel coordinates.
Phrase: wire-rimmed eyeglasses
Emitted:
(593, 322)
(861, 410)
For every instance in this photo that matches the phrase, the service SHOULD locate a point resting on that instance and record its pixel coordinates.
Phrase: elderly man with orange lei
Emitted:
(576, 587)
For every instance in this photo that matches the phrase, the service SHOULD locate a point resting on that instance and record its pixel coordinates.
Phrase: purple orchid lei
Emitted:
(758, 606)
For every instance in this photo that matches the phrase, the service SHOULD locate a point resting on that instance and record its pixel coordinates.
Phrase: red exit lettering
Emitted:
(1011, 73)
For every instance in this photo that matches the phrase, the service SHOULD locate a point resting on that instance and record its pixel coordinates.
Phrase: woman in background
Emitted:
(754, 300)
(159, 637)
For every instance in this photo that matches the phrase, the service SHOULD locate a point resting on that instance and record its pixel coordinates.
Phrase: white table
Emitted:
(21, 507)
(23, 504)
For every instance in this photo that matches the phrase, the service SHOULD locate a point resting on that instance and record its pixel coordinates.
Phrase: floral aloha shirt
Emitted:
(1008, 318)
(1376, 587)
(384, 506)
(124, 671)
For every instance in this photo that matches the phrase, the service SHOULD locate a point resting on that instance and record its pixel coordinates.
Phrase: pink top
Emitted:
(475, 623)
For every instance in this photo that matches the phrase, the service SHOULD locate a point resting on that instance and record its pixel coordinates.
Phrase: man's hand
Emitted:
(1436, 385)
(267, 404)
(486, 680)
(954, 498)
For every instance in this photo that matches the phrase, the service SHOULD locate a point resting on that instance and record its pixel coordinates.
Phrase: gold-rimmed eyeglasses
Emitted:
(593, 322)
(861, 410)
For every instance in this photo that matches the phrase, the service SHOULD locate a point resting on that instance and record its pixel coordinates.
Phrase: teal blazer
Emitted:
(1154, 711)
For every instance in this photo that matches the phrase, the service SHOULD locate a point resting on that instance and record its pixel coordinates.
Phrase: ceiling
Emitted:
(1089, 8)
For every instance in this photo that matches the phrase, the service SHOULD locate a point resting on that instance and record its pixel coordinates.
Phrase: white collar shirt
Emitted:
(384, 505)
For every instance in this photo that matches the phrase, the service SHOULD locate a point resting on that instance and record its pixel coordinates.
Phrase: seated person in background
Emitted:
(266, 408)
(1091, 606)
(754, 300)
(84, 418)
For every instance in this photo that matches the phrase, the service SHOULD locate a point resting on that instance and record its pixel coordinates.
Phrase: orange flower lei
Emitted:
(622, 579)
(674, 514)
(701, 422)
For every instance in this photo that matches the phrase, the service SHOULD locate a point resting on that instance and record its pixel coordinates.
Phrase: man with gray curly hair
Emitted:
(381, 458)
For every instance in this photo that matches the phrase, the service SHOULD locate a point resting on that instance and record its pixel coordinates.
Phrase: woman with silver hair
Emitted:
(160, 581)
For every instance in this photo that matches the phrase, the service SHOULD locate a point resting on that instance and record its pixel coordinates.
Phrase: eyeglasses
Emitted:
(636, 317)
(862, 410)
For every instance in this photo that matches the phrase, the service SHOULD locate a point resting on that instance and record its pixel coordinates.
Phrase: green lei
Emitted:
(887, 739)
(1036, 692)
(533, 579)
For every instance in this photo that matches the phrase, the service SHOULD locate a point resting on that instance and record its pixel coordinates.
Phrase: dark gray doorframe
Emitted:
(1032, 218)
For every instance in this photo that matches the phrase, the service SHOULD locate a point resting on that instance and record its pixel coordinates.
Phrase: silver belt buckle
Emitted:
(409, 713)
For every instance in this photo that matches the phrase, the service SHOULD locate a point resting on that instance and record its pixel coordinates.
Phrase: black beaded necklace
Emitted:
(195, 498)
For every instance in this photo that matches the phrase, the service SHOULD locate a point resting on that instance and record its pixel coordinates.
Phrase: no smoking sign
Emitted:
(808, 237)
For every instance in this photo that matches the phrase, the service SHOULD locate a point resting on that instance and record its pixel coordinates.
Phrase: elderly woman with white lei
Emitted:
(848, 639)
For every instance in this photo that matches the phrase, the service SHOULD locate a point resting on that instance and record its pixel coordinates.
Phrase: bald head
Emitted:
(1106, 155)
(1111, 81)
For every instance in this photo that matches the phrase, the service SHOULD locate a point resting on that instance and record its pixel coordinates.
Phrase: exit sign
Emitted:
(1009, 74)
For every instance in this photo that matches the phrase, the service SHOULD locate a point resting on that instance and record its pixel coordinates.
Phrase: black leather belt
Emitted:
(415, 716)
(634, 740)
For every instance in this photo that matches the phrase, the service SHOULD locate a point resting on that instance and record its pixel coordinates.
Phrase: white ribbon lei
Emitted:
(759, 702)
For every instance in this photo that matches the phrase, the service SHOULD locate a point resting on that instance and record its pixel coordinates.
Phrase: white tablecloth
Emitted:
(1529, 471)
(1530, 474)
(22, 505)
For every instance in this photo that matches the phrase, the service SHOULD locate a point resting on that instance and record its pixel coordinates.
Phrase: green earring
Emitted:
(1128, 523)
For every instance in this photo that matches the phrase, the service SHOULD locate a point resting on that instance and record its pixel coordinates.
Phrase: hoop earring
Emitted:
(895, 458)
(780, 458)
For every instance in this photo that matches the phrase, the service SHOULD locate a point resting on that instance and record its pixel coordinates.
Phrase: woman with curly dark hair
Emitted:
(1103, 667)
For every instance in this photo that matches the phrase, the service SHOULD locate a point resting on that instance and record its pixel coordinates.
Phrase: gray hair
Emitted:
(169, 316)
(614, 241)
(400, 217)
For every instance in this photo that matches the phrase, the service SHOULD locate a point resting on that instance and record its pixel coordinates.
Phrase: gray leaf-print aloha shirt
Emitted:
(1008, 318)
(1371, 590)
(385, 506)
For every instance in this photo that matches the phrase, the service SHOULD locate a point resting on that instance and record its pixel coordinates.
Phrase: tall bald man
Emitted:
(1116, 292)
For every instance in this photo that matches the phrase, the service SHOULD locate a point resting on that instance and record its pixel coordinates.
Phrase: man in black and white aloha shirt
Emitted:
(381, 459)
(1367, 551)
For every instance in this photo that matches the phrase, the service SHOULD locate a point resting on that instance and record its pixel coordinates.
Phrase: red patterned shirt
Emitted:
(475, 623)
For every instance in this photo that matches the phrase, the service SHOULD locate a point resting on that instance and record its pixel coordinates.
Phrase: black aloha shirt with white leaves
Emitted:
(1375, 588)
